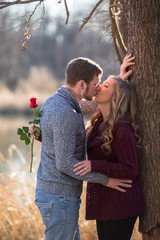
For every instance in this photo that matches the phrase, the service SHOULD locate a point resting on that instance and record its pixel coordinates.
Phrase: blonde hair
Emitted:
(123, 103)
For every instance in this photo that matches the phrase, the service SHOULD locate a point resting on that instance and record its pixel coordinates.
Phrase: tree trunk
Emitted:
(142, 19)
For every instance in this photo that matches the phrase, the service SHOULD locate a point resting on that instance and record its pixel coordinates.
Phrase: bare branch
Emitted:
(116, 34)
(90, 15)
(33, 11)
(67, 11)
(33, 27)
(115, 5)
(116, 48)
(7, 4)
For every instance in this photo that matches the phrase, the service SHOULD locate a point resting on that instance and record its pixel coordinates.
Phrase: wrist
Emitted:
(121, 77)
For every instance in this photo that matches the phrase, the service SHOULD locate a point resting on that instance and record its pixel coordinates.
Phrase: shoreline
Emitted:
(11, 111)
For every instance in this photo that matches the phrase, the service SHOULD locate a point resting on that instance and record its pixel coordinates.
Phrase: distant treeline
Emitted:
(53, 49)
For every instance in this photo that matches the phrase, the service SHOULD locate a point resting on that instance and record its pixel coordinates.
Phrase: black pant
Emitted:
(116, 230)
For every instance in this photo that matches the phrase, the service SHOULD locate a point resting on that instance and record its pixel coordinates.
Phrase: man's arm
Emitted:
(65, 133)
(67, 166)
(65, 142)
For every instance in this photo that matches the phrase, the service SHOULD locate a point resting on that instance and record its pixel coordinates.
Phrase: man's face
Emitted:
(92, 88)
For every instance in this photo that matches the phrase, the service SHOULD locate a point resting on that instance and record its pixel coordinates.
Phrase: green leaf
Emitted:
(40, 113)
(37, 121)
(27, 141)
(19, 131)
(23, 136)
(34, 122)
(30, 122)
(29, 135)
(26, 129)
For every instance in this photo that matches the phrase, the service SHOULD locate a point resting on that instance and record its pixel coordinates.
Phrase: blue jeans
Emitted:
(60, 215)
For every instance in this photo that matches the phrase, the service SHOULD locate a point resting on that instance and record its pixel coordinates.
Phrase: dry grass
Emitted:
(20, 218)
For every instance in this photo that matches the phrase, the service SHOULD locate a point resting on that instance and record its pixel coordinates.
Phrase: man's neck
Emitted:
(74, 92)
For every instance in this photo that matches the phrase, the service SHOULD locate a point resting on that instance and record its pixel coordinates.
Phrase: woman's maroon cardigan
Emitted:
(103, 203)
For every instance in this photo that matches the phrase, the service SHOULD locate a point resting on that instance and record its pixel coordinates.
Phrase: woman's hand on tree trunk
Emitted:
(127, 61)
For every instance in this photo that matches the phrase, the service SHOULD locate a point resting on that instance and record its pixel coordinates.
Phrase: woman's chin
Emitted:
(95, 99)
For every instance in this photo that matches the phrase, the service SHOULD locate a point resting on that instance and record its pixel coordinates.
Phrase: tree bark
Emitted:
(142, 19)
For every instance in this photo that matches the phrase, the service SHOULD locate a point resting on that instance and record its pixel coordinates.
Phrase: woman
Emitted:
(111, 149)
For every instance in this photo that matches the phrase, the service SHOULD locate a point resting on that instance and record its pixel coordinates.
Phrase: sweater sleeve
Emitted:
(125, 152)
(88, 107)
(65, 134)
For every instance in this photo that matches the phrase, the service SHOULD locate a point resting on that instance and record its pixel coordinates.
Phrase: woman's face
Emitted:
(105, 92)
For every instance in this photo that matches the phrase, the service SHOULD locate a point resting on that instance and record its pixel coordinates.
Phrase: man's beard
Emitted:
(86, 96)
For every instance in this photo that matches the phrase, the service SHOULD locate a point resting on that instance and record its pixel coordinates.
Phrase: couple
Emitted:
(112, 199)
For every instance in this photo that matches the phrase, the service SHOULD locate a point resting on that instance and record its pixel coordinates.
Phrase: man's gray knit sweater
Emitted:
(63, 145)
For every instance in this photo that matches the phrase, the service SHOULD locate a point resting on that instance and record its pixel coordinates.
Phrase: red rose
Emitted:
(33, 103)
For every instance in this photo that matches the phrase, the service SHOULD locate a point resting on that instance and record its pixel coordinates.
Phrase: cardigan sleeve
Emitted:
(125, 154)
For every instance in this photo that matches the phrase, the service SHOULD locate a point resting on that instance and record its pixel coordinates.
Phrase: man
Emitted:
(63, 145)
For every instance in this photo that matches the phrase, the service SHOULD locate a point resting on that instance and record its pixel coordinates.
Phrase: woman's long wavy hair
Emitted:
(123, 103)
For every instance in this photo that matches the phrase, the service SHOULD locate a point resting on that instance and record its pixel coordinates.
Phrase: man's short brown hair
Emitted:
(82, 69)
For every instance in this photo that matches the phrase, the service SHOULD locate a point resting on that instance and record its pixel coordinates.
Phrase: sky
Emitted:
(78, 9)
(52, 8)
(56, 8)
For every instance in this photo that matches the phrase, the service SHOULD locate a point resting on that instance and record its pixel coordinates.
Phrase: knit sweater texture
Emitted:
(63, 145)
(106, 203)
